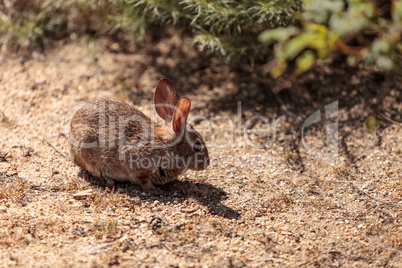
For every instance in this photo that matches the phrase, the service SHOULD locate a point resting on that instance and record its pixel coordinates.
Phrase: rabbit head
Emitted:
(186, 144)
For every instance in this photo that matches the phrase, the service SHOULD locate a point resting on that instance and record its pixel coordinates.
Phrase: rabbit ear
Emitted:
(180, 115)
(165, 99)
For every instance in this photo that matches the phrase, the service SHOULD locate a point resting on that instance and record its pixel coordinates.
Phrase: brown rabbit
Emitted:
(116, 142)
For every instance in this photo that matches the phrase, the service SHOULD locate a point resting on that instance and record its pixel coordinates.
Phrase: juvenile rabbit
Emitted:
(116, 142)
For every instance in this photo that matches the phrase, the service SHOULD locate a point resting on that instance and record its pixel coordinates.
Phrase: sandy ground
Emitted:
(266, 200)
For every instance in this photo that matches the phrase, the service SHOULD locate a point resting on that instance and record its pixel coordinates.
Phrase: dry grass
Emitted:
(294, 211)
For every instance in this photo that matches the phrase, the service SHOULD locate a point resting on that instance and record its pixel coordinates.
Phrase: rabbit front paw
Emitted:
(105, 182)
(149, 187)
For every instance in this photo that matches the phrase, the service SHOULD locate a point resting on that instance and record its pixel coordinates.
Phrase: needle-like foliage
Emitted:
(227, 27)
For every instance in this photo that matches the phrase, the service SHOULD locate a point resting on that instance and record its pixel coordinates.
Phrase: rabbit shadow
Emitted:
(205, 194)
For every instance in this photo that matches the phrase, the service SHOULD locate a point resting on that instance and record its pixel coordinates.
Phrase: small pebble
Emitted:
(91, 252)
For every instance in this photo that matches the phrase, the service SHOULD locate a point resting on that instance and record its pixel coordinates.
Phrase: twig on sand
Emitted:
(167, 247)
(382, 116)
(365, 193)
(3, 158)
(40, 188)
(51, 145)
(294, 184)
(354, 185)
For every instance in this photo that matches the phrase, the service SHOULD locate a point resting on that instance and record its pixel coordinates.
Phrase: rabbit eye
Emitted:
(197, 146)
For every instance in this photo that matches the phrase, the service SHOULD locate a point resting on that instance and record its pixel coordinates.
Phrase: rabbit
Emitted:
(114, 141)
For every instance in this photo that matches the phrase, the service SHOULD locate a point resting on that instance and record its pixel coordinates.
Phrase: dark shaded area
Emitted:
(205, 194)
(192, 71)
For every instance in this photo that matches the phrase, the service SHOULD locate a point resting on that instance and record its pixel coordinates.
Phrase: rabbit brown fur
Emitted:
(116, 142)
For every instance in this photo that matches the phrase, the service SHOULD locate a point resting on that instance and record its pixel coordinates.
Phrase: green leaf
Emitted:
(384, 63)
(371, 124)
(299, 43)
(351, 60)
(279, 69)
(305, 61)
(380, 46)
(319, 11)
(280, 34)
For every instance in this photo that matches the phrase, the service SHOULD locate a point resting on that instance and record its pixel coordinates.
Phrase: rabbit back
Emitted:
(111, 139)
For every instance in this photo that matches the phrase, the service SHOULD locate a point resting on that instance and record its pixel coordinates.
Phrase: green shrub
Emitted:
(46, 21)
(359, 30)
(226, 27)
(323, 28)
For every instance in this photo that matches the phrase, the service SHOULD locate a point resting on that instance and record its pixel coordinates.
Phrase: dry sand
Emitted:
(271, 206)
